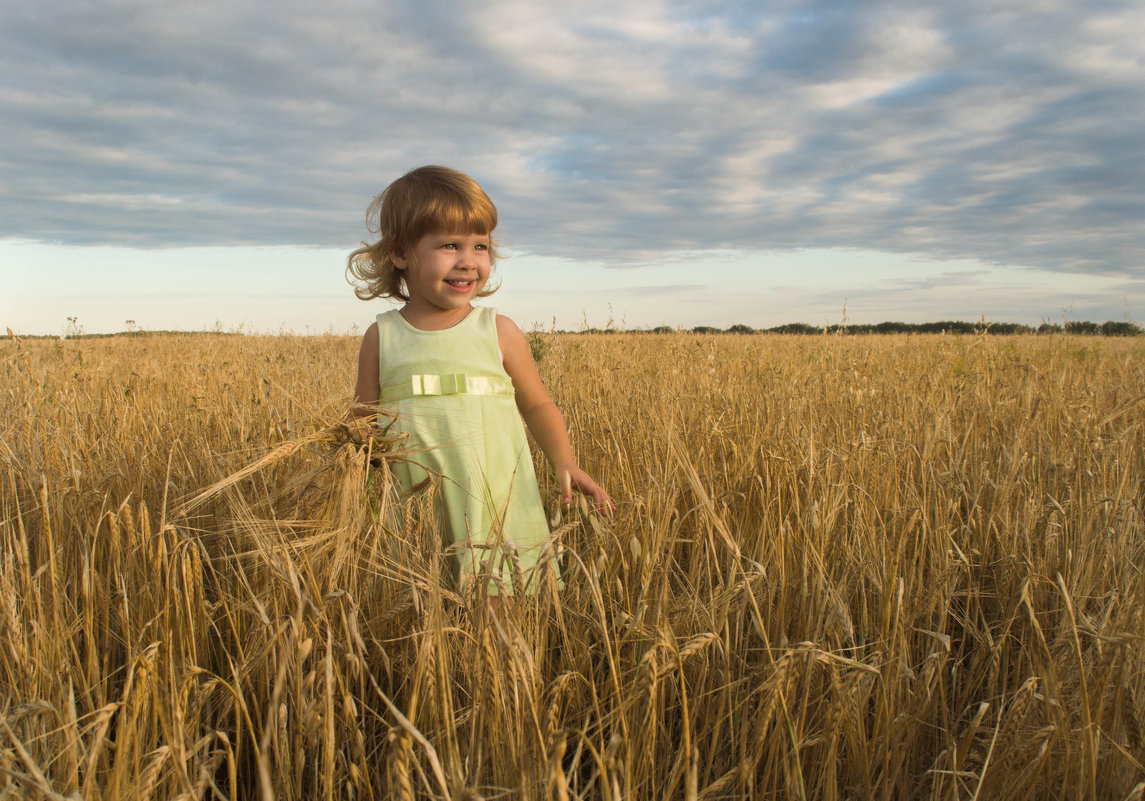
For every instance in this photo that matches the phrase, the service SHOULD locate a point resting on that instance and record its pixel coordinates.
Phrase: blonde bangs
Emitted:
(460, 216)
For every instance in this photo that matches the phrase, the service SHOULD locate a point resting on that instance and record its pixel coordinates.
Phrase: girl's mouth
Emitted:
(459, 283)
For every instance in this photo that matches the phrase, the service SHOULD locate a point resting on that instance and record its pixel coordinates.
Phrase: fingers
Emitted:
(609, 505)
(600, 499)
(604, 503)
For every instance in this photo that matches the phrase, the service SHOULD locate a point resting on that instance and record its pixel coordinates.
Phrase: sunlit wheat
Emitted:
(841, 567)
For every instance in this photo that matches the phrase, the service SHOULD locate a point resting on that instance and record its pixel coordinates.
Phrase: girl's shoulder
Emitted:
(510, 340)
(506, 329)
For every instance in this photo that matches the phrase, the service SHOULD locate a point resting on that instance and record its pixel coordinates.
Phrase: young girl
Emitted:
(457, 375)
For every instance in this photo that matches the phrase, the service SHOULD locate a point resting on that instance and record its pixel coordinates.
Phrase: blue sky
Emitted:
(208, 164)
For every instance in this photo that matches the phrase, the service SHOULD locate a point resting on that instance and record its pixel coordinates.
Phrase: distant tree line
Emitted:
(1108, 329)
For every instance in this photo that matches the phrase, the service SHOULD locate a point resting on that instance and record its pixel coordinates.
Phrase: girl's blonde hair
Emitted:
(424, 201)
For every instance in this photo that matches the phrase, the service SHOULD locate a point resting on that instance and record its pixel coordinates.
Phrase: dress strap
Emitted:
(446, 384)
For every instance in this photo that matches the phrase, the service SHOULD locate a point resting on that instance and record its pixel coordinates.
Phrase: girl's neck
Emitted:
(435, 320)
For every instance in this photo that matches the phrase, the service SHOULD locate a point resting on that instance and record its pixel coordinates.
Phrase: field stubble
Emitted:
(869, 567)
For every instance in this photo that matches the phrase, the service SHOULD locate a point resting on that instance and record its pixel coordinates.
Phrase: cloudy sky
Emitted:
(208, 164)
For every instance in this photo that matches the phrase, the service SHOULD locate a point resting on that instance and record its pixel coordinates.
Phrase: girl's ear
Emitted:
(399, 259)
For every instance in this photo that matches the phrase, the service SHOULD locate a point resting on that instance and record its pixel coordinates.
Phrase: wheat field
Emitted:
(901, 567)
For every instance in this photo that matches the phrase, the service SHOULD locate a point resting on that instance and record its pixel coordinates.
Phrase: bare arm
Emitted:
(544, 419)
(366, 390)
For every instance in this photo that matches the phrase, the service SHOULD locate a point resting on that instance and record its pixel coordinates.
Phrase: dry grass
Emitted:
(887, 568)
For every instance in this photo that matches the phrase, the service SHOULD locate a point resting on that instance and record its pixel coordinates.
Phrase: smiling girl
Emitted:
(459, 378)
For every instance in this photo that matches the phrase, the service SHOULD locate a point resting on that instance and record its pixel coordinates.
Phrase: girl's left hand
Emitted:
(574, 478)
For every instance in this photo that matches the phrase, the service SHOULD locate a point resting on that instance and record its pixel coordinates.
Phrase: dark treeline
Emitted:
(1108, 329)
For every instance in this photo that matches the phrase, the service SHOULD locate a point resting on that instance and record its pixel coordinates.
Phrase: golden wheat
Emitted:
(868, 567)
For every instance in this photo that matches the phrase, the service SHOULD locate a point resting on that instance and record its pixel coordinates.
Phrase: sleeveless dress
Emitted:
(455, 400)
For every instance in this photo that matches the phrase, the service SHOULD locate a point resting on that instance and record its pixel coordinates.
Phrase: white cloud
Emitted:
(620, 133)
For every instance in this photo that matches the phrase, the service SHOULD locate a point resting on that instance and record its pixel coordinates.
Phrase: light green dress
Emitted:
(455, 400)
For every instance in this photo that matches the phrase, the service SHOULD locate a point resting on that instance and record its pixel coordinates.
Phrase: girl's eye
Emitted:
(482, 247)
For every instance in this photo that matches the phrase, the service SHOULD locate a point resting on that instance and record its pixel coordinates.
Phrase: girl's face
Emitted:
(444, 271)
